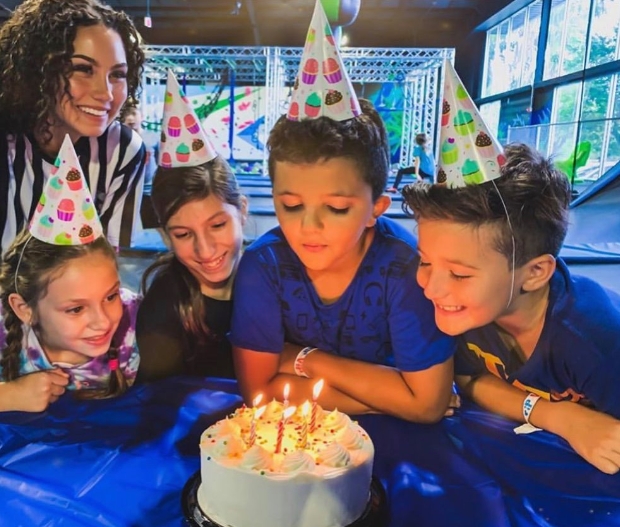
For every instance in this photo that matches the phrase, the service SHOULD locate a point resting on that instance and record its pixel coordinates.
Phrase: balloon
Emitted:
(341, 12)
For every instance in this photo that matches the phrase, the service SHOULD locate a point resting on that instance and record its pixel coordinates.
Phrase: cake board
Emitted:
(375, 515)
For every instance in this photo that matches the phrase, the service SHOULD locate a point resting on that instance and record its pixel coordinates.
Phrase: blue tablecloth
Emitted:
(123, 463)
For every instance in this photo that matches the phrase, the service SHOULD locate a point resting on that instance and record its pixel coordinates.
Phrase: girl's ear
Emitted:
(538, 272)
(21, 309)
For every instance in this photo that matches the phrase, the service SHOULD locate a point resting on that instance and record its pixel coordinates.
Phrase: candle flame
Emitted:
(260, 411)
(257, 399)
(288, 412)
(305, 409)
(317, 389)
(287, 390)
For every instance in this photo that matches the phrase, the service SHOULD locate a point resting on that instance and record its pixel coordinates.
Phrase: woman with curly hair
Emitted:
(67, 67)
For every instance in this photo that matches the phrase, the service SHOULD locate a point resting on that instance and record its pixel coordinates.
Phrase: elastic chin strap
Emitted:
(514, 247)
(21, 255)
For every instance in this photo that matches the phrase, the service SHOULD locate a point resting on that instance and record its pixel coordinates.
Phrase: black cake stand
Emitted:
(375, 515)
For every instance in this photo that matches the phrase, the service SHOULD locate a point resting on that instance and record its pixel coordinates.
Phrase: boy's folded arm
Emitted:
(420, 396)
(258, 372)
(594, 435)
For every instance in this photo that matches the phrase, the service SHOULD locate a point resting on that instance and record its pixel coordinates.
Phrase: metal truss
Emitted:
(418, 70)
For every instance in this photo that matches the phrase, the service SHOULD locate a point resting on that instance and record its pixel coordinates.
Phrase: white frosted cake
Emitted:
(322, 482)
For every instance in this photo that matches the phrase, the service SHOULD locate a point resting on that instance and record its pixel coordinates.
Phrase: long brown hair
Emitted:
(173, 188)
(36, 45)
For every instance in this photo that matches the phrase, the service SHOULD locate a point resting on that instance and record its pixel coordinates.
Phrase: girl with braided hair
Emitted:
(67, 324)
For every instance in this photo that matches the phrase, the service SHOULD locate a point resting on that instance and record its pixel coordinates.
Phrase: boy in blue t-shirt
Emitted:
(534, 340)
(331, 293)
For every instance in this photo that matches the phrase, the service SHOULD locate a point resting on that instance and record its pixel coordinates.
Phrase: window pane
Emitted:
(553, 53)
(604, 32)
(596, 98)
(515, 43)
(613, 150)
(575, 36)
(566, 103)
(490, 115)
(616, 113)
(592, 133)
(510, 55)
(531, 43)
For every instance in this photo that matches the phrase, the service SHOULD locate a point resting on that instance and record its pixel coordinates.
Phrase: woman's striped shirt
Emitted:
(113, 165)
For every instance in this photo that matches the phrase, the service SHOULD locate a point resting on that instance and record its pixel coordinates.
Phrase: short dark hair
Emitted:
(362, 139)
(36, 44)
(535, 194)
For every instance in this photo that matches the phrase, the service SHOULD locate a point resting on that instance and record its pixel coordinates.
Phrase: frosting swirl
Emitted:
(336, 420)
(334, 455)
(256, 458)
(350, 438)
(224, 427)
(297, 461)
(226, 446)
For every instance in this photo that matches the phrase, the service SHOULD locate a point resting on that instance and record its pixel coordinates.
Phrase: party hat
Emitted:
(322, 86)
(65, 214)
(469, 153)
(183, 141)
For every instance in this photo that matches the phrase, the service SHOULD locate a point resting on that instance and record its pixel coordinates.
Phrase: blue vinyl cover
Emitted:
(123, 463)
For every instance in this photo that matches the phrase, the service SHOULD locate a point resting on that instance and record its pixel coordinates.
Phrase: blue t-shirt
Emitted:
(382, 317)
(577, 356)
(427, 161)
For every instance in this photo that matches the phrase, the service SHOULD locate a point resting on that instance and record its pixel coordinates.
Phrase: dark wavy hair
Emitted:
(36, 45)
(535, 193)
(363, 140)
(173, 188)
(27, 268)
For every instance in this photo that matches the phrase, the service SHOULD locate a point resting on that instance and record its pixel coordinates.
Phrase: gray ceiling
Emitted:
(380, 23)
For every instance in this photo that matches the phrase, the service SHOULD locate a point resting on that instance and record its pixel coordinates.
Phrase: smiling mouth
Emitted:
(449, 309)
(98, 340)
(213, 264)
(92, 111)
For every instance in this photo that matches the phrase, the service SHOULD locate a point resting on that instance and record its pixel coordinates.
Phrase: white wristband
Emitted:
(299, 361)
(528, 405)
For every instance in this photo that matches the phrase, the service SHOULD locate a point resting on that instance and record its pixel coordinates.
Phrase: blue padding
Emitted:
(594, 230)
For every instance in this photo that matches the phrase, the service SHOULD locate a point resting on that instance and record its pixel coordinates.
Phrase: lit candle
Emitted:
(256, 401)
(285, 415)
(315, 395)
(255, 417)
(303, 436)
(287, 391)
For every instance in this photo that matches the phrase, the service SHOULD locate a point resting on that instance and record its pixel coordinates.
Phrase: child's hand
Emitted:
(594, 436)
(38, 390)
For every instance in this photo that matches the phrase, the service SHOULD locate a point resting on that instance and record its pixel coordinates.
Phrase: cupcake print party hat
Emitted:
(183, 141)
(322, 86)
(65, 214)
(469, 154)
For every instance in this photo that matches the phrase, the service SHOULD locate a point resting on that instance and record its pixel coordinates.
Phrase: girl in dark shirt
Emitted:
(185, 315)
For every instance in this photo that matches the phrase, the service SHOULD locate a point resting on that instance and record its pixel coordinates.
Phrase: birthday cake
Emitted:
(272, 469)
